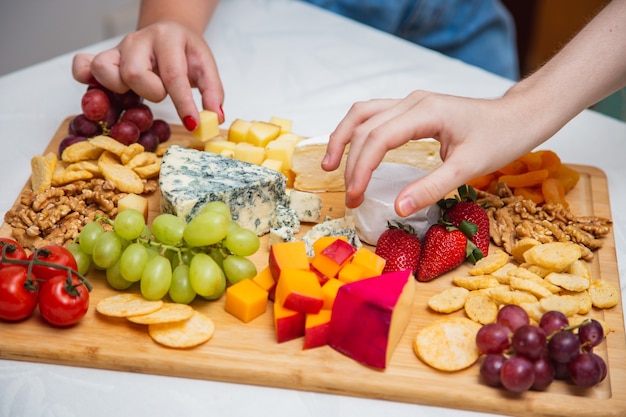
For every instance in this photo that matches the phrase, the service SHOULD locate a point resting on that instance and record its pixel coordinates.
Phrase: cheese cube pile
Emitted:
(270, 144)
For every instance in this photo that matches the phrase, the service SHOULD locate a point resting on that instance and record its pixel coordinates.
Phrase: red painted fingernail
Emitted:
(222, 111)
(190, 123)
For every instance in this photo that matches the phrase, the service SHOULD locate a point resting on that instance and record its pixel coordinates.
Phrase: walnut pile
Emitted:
(57, 215)
(512, 218)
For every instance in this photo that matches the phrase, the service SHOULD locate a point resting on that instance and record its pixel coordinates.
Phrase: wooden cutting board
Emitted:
(248, 353)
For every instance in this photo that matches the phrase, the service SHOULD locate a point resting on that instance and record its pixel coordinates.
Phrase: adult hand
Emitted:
(160, 59)
(477, 136)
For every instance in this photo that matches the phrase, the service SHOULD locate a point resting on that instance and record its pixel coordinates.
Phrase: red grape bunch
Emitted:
(124, 117)
(520, 356)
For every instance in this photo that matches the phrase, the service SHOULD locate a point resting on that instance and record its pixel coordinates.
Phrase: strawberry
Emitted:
(444, 248)
(400, 247)
(470, 217)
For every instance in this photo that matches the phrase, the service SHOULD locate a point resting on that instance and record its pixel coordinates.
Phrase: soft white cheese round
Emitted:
(377, 209)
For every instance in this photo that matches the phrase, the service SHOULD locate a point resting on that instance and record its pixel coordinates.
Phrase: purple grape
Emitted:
(69, 140)
(603, 368)
(112, 117)
(512, 316)
(490, 369)
(493, 338)
(517, 374)
(128, 99)
(584, 370)
(162, 129)
(563, 346)
(529, 341)
(561, 371)
(125, 132)
(140, 115)
(544, 373)
(82, 126)
(591, 334)
(95, 104)
(552, 321)
(148, 140)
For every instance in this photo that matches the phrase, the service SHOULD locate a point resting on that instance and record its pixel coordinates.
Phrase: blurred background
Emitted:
(32, 31)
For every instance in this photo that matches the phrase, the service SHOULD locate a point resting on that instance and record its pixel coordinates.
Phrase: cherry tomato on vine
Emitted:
(63, 302)
(18, 295)
(12, 250)
(53, 254)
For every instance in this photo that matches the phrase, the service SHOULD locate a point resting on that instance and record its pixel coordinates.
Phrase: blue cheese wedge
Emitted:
(308, 206)
(344, 226)
(190, 179)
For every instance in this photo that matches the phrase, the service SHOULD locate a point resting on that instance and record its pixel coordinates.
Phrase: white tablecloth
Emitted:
(277, 58)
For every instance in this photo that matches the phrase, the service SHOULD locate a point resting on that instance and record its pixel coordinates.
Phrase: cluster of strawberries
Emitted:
(461, 233)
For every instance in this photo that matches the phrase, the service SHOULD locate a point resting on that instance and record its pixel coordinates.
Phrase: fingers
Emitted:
(81, 67)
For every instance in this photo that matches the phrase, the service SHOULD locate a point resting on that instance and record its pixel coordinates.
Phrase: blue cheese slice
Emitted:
(343, 226)
(190, 179)
(307, 205)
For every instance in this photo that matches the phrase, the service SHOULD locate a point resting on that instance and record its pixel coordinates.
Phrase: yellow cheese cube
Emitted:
(285, 124)
(273, 164)
(238, 130)
(229, 153)
(261, 133)
(249, 153)
(245, 300)
(281, 150)
(217, 146)
(209, 126)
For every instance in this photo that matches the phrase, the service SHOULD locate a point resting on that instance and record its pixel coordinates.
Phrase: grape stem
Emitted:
(570, 327)
(36, 261)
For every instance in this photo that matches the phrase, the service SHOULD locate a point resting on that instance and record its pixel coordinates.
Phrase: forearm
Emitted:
(587, 69)
(193, 14)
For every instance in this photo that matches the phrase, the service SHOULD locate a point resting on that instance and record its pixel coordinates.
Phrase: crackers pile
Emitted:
(169, 324)
(99, 157)
(538, 277)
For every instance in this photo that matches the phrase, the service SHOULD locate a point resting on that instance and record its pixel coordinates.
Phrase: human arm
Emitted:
(478, 136)
(167, 54)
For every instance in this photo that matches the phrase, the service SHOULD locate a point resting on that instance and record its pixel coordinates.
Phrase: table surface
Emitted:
(277, 58)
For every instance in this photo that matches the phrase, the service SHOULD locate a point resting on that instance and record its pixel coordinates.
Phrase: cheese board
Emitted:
(249, 354)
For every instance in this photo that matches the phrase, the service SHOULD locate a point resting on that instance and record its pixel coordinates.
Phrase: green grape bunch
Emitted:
(171, 257)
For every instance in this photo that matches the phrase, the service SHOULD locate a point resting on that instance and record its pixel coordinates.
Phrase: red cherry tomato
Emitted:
(12, 250)
(63, 303)
(53, 254)
(18, 296)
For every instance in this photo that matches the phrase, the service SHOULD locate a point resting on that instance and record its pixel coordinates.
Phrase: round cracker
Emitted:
(168, 313)
(449, 300)
(448, 344)
(194, 331)
(127, 304)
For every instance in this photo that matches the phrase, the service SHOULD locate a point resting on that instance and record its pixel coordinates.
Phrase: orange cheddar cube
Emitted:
(265, 280)
(370, 260)
(290, 255)
(288, 324)
(316, 329)
(353, 272)
(329, 289)
(323, 242)
(300, 291)
(245, 300)
(330, 260)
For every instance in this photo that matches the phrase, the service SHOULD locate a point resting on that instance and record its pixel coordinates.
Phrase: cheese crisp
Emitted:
(126, 305)
(448, 344)
(188, 333)
(168, 313)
